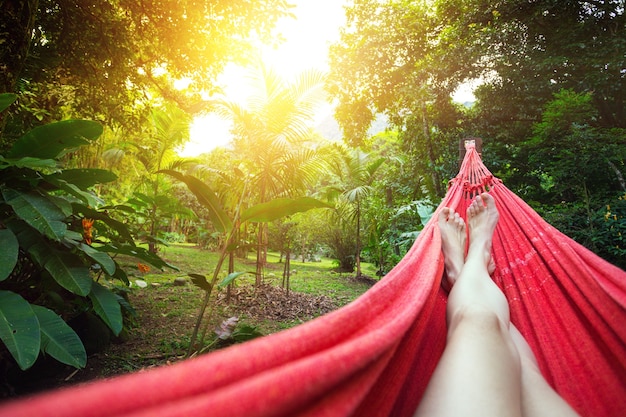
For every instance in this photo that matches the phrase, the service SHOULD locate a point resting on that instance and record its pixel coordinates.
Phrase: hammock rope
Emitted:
(374, 357)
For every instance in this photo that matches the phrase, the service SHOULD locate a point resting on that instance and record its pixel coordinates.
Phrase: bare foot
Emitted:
(482, 217)
(453, 237)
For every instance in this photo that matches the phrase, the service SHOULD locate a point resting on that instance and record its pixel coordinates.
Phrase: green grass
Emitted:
(167, 312)
(317, 278)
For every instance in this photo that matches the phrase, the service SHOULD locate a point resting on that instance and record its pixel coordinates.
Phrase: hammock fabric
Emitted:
(374, 357)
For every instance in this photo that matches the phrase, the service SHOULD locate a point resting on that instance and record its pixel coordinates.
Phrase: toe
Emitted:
(452, 216)
(443, 214)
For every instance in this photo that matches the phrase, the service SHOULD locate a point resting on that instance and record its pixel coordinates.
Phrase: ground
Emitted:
(166, 314)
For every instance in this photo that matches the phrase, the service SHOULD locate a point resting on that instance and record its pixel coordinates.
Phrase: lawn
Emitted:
(165, 313)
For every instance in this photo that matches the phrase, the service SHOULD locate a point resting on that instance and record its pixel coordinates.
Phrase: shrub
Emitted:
(57, 242)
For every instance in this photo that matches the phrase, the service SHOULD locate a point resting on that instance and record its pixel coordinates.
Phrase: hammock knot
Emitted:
(468, 187)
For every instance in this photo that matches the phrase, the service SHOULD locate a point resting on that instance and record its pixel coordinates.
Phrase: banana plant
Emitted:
(227, 225)
(53, 264)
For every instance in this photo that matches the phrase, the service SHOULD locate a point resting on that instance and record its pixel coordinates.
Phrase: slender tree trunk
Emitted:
(259, 256)
(431, 153)
(589, 214)
(231, 269)
(152, 247)
(287, 271)
(358, 237)
(618, 174)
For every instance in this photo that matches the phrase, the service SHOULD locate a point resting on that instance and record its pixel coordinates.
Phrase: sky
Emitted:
(307, 38)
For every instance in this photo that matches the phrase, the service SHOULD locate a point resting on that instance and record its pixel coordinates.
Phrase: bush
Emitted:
(57, 240)
(610, 231)
(173, 237)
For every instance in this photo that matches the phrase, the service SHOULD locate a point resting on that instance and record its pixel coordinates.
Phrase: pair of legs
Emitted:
(487, 367)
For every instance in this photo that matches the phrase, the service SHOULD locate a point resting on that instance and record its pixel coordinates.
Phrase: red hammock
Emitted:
(375, 356)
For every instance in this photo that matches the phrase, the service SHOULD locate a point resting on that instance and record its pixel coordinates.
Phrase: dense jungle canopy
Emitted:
(549, 105)
(550, 79)
(97, 99)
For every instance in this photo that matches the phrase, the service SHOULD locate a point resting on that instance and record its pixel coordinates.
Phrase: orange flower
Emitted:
(87, 230)
(143, 268)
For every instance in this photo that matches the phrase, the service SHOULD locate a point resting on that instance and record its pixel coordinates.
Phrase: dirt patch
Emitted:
(365, 279)
(274, 303)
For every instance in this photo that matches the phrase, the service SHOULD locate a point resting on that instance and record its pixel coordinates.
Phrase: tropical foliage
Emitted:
(58, 245)
(102, 60)
(260, 213)
(549, 105)
(274, 146)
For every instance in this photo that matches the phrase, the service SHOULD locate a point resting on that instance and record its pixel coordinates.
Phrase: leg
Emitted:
(538, 397)
(453, 234)
(477, 288)
(479, 372)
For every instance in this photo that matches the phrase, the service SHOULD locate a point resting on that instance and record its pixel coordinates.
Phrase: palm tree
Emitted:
(354, 173)
(273, 139)
(168, 129)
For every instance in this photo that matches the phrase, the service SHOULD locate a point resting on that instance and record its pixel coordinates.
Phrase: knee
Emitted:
(477, 318)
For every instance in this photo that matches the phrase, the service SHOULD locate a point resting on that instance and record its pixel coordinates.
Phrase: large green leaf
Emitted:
(102, 258)
(83, 178)
(120, 274)
(19, 329)
(142, 198)
(85, 195)
(280, 207)
(230, 278)
(63, 204)
(26, 235)
(137, 252)
(6, 99)
(58, 339)
(9, 252)
(68, 271)
(51, 140)
(207, 197)
(33, 163)
(38, 211)
(200, 281)
(106, 306)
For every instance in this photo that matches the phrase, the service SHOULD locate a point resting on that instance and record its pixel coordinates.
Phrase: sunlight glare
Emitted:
(206, 132)
(307, 38)
(182, 83)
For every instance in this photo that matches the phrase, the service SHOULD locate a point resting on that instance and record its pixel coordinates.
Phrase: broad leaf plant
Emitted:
(53, 264)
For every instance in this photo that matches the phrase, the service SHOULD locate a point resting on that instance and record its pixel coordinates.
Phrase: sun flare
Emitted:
(206, 132)
(307, 38)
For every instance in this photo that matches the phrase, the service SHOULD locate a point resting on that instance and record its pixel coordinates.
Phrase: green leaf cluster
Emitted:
(51, 257)
(548, 96)
(56, 49)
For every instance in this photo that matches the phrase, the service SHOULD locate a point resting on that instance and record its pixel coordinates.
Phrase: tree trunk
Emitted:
(260, 258)
(618, 174)
(231, 269)
(589, 213)
(358, 238)
(287, 271)
(431, 153)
